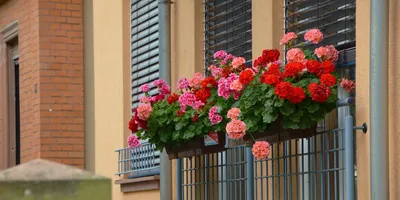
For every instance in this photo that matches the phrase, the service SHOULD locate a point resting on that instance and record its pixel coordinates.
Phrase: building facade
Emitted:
(77, 66)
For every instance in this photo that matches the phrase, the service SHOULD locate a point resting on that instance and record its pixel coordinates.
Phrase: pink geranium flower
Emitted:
(287, 38)
(182, 84)
(213, 115)
(233, 113)
(295, 55)
(186, 99)
(133, 141)
(314, 36)
(236, 85)
(237, 62)
(261, 149)
(195, 81)
(145, 88)
(144, 111)
(347, 85)
(220, 54)
(327, 53)
(236, 129)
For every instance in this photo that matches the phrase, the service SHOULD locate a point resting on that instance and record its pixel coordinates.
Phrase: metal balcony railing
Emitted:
(139, 162)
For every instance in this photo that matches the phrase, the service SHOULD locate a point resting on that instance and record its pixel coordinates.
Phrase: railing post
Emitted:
(349, 157)
(249, 174)
(179, 179)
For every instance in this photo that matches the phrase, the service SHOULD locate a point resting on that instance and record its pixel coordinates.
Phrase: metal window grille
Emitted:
(144, 46)
(227, 27)
(139, 162)
(335, 18)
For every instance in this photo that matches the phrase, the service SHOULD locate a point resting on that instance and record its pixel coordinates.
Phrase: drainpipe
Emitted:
(379, 17)
(164, 31)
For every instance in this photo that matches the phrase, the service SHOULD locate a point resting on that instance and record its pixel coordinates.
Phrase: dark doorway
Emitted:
(17, 114)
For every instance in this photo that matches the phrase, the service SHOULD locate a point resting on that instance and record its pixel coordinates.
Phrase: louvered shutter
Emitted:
(227, 27)
(335, 18)
(144, 46)
(144, 69)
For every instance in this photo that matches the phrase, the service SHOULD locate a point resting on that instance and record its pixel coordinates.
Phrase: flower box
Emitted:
(197, 147)
(276, 133)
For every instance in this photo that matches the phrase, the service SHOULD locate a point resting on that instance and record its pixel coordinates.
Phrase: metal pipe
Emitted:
(164, 31)
(379, 19)
(349, 157)
(249, 174)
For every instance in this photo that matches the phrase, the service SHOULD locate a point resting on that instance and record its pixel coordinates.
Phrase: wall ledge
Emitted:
(139, 184)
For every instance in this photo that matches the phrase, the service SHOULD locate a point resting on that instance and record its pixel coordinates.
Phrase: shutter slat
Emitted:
(227, 27)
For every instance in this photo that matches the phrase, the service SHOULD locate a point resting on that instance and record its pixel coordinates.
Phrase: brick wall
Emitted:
(51, 59)
(61, 81)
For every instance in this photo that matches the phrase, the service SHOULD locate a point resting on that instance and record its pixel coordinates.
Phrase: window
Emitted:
(227, 27)
(144, 160)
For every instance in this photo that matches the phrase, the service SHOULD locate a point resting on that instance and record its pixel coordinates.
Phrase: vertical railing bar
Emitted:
(343, 172)
(285, 186)
(310, 174)
(256, 180)
(349, 156)
(336, 174)
(212, 176)
(179, 179)
(290, 170)
(328, 166)
(262, 173)
(206, 178)
(227, 174)
(297, 171)
(302, 168)
(315, 168)
(322, 166)
(187, 179)
(266, 178)
(279, 172)
(234, 172)
(249, 174)
(240, 171)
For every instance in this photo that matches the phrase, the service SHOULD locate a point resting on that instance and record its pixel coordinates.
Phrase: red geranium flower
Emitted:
(274, 69)
(172, 98)
(284, 90)
(328, 79)
(246, 76)
(179, 113)
(202, 95)
(271, 55)
(195, 117)
(293, 69)
(314, 67)
(133, 126)
(297, 96)
(209, 82)
(328, 67)
(142, 124)
(260, 61)
(270, 79)
(226, 71)
(319, 93)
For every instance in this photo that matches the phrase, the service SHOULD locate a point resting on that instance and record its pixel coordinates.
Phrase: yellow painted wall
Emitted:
(394, 96)
(107, 91)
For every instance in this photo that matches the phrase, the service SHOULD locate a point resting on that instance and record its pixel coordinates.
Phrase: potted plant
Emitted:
(268, 101)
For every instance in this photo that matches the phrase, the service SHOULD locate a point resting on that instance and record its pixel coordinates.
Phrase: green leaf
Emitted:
(269, 117)
(287, 123)
(164, 137)
(188, 135)
(313, 107)
(295, 117)
(179, 125)
(278, 102)
(287, 108)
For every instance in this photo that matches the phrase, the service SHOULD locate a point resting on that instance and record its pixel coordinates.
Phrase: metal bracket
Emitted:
(363, 127)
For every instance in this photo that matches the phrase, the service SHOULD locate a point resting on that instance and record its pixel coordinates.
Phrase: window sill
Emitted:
(139, 184)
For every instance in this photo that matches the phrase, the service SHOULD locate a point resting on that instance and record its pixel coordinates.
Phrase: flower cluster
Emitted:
(243, 100)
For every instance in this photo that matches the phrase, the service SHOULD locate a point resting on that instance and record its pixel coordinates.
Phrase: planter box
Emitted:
(276, 133)
(197, 147)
